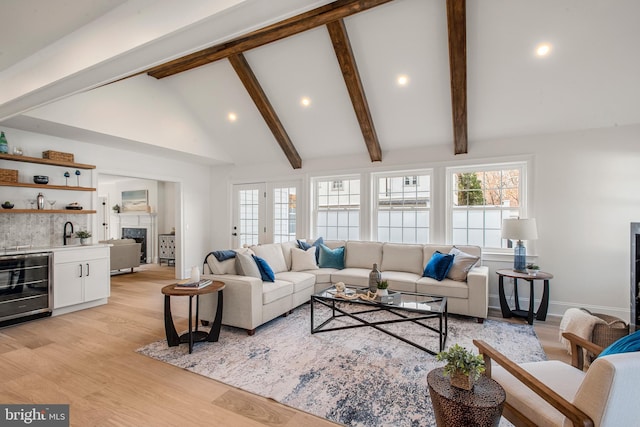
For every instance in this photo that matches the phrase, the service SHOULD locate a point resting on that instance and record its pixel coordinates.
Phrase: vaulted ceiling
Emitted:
(112, 74)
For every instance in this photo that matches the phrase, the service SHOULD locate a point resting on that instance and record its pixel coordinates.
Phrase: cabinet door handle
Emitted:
(87, 269)
(80, 265)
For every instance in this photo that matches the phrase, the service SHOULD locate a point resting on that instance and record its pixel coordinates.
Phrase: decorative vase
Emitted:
(195, 274)
(461, 380)
(84, 240)
(374, 278)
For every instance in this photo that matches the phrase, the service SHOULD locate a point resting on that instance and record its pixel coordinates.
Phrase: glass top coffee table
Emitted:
(403, 306)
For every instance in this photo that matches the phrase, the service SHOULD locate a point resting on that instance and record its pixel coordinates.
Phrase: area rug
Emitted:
(355, 377)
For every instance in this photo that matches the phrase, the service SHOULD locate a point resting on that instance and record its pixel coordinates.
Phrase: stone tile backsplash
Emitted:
(37, 229)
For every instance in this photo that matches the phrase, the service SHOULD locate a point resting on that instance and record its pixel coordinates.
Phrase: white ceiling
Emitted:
(589, 80)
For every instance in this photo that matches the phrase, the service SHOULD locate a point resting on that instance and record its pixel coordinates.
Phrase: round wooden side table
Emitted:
(541, 314)
(455, 407)
(192, 336)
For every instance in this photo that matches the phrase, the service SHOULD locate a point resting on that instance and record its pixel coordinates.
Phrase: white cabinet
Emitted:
(80, 276)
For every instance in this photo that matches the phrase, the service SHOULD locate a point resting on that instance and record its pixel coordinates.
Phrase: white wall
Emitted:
(583, 196)
(192, 181)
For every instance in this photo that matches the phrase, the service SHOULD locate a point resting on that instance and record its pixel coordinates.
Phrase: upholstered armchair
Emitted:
(553, 393)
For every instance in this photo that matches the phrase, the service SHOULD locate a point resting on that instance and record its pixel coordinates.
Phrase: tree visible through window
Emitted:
(481, 200)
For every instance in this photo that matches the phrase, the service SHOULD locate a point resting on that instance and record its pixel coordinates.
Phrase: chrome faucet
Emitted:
(66, 235)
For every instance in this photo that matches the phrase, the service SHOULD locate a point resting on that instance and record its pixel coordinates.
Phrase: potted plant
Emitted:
(532, 269)
(383, 285)
(463, 367)
(83, 235)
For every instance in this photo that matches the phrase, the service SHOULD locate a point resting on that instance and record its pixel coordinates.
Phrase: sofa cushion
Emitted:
(402, 257)
(266, 272)
(227, 266)
(438, 266)
(362, 254)
(323, 275)
(331, 258)
(445, 288)
(306, 245)
(462, 263)
(352, 276)
(286, 251)
(272, 253)
(246, 266)
(300, 280)
(401, 280)
(273, 291)
(303, 259)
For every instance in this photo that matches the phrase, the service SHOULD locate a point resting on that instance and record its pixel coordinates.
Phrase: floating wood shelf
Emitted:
(46, 186)
(38, 160)
(48, 211)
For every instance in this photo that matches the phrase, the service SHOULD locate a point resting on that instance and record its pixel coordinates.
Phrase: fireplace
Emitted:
(635, 277)
(140, 236)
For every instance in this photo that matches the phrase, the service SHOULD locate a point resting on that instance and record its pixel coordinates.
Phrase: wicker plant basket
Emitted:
(8, 175)
(605, 334)
(57, 156)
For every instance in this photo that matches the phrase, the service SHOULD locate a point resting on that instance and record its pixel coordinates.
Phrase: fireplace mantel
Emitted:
(141, 220)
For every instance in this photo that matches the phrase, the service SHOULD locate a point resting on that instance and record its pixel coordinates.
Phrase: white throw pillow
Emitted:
(462, 263)
(303, 260)
(246, 266)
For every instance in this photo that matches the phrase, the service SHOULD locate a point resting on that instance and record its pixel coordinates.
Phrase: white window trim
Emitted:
(523, 165)
(313, 181)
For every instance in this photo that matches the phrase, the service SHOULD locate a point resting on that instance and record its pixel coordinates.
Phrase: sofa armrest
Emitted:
(478, 282)
(242, 306)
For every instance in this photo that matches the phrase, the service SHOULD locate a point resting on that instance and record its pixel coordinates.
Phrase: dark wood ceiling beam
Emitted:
(344, 53)
(297, 24)
(250, 82)
(457, 27)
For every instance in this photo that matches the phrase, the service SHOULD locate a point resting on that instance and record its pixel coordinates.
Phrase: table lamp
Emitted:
(519, 229)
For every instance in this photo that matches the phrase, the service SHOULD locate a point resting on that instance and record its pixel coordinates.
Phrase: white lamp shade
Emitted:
(519, 229)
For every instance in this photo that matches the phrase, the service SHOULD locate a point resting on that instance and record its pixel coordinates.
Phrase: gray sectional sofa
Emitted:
(249, 301)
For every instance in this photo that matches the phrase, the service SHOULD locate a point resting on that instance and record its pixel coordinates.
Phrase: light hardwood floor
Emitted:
(88, 360)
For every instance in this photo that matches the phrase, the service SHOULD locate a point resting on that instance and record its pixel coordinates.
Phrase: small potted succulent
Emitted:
(463, 367)
(532, 269)
(84, 236)
(383, 286)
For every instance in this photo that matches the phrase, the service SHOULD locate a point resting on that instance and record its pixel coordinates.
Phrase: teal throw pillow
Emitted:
(266, 272)
(627, 344)
(438, 266)
(331, 258)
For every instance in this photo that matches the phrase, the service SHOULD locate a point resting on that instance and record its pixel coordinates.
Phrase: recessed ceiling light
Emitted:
(305, 101)
(232, 117)
(402, 80)
(543, 49)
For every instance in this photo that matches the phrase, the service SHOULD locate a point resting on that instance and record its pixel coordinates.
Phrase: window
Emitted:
(284, 214)
(480, 198)
(402, 205)
(337, 208)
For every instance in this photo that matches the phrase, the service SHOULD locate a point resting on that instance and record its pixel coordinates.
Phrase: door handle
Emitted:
(234, 234)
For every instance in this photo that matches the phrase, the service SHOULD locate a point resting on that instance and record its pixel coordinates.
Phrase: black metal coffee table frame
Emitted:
(330, 302)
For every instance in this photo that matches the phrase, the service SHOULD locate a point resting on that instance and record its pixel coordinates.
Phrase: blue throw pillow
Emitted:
(627, 344)
(438, 266)
(224, 255)
(331, 258)
(266, 272)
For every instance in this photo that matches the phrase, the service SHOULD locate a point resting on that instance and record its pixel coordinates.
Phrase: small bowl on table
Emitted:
(7, 205)
(41, 179)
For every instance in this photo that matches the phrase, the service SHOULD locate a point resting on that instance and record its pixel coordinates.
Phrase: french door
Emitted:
(265, 213)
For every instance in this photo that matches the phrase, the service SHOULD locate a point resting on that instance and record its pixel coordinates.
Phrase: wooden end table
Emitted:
(541, 314)
(455, 407)
(192, 336)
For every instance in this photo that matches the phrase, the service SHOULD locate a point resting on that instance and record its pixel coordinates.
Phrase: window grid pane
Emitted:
(284, 214)
(403, 203)
(481, 200)
(248, 217)
(337, 207)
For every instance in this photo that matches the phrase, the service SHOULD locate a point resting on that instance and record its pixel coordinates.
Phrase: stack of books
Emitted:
(189, 284)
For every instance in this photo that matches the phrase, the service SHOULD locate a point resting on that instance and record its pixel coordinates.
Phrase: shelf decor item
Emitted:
(9, 175)
(57, 156)
(40, 201)
(41, 179)
(7, 205)
(66, 178)
(4, 147)
(463, 367)
(84, 236)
